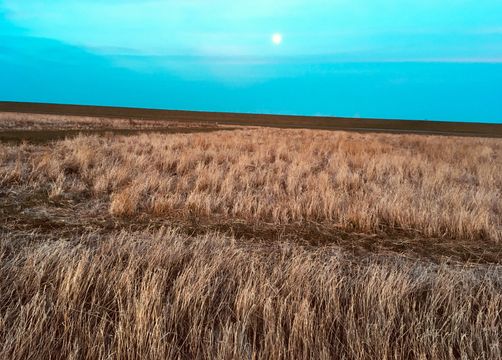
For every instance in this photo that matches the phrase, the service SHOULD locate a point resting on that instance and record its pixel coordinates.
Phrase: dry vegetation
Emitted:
(163, 295)
(20, 121)
(434, 186)
(86, 272)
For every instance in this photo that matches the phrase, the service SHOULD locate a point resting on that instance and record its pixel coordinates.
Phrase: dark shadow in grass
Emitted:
(69, 218)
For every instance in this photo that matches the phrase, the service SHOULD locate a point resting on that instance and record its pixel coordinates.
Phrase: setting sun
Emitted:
(277, 38)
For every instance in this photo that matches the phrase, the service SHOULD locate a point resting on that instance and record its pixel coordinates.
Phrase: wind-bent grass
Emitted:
(433, 186)
(164, 295)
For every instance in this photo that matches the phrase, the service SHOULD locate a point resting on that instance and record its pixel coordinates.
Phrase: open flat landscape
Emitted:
(146, 238)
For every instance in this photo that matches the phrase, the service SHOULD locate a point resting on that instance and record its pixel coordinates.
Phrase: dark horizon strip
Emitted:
(429, 127)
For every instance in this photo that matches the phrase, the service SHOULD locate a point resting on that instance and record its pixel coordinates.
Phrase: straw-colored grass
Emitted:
(78, 280)
(426, 185)
(21, 121)
(168, 296)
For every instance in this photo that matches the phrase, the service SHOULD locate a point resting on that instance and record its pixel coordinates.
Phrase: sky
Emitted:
(398, 59)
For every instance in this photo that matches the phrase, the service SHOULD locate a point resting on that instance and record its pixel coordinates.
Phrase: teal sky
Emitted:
(436, 60)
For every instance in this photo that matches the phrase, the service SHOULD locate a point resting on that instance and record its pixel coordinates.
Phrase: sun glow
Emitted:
(277, 38)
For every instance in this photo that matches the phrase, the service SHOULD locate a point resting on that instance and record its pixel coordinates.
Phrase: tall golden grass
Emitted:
(156, 294)
(163, 295)
(427, 185)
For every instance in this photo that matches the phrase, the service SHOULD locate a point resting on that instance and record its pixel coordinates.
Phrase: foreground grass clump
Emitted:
(165, 295)
(424, 185)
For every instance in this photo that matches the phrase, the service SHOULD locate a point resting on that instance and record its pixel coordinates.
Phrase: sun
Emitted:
(277, 38)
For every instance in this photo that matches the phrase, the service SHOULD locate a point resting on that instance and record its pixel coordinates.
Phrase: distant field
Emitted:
(42, 128)
(194, 239)
(308, 122)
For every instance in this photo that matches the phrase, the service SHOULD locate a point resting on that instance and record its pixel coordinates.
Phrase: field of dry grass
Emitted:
(433, 186)
(108, 246)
